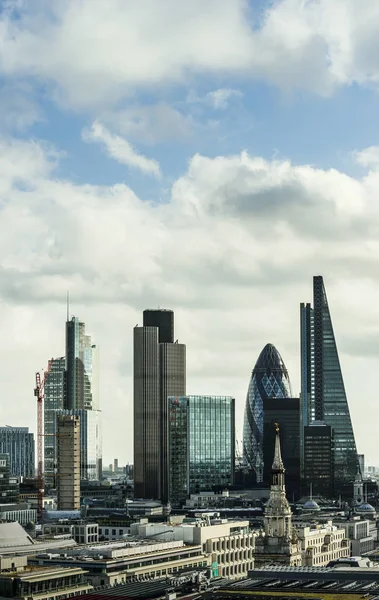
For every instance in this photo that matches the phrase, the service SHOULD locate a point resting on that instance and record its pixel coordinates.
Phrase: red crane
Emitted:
(39, 393)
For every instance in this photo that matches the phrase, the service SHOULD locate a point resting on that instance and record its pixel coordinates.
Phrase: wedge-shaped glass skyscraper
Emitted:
(269, 379)
(323, 395)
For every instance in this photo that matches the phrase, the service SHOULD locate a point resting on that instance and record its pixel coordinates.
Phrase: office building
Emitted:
(90, 443)
(323, 393)
(82, 386)
(9, 487)
(163, 319)
(269, 379)
(361, 461)
(287, 415)
(318, 459)
(68, 476)
(159, 372)
(18, 443)
(201, 445)
(54, 401)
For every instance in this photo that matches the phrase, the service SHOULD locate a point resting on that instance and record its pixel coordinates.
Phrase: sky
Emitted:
(208, 157)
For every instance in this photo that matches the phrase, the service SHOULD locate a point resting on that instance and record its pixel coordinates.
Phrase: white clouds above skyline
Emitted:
(232, 252)
(228, 238)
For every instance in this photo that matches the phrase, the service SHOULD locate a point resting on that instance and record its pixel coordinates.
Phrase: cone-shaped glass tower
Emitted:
(269, 379)
(323, 393)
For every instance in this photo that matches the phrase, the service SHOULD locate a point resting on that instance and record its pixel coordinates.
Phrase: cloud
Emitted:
(120, 149)
(232, 251)
(142, 45)
(369, 157)
(220, 98)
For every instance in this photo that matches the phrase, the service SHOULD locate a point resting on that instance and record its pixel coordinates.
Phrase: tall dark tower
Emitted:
(164, 320)
(159, 372)
(323, 394)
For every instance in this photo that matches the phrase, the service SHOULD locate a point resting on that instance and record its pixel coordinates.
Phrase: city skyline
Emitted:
(234, 158)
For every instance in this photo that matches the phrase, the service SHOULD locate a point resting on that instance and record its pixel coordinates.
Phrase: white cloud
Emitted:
(369, 157)
(120, 149)
(99, 52)
(220, 98)
(232, 251)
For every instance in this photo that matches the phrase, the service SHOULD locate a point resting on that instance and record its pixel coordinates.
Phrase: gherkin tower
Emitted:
(269, 379)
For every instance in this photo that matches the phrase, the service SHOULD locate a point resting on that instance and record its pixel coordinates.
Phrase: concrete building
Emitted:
(322, 543)
(48, 583)
(362, 535)
(82, 532)
(119, 562)
(159, 372)
(68, 477)
(18, 442)
(230, 543)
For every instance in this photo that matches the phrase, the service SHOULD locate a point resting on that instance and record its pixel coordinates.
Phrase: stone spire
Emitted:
(278, 516)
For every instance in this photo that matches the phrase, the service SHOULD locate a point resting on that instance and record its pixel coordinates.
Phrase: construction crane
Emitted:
(39, 394)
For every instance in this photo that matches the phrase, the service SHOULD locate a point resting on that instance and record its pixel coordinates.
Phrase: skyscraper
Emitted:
(72, 388)
(9, 488)
(318, 459)
(201, 444)
(82, 387)
(286, 414)
(323, 393)
(18, 443)
(54, 402)
(159, 372)
(69, 451)
(269, 379)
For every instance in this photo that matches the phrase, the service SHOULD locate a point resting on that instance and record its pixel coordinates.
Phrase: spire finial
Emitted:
(277, 464)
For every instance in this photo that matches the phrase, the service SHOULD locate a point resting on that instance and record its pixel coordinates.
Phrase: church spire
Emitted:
(277, 464)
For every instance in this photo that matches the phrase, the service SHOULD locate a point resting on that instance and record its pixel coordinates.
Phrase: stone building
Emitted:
(278, 544)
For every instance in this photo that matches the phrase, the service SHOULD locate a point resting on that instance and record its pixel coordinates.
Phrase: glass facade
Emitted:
(9, 488)
(201, 444)
(269, 379)
(53, 403)
(81, 367)
(328, 391)
(19, 444)
(318, 459)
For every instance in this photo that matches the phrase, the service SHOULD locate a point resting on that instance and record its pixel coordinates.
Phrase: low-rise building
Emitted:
(82, 532)
(322, 543)
(361, 534)
(113, 532)
(231, 543)
(120, 562)
(49, 583)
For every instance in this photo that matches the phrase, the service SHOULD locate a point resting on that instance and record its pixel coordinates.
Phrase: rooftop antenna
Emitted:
(311, 490)
(68, 305)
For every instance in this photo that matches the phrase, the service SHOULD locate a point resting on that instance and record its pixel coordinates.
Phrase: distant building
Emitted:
(19, 444)
(287, 415)
(68, 477)
(269, 379)
(54, 401)
(159, 372)
(9, 487)
(318, 459)
(90, 443)
(321, 543)
(201, 444)
(323, 392)
(361, 461)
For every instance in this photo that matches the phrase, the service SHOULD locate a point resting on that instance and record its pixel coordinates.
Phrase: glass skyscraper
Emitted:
(323, 393)
(269, 379)
(18, 443)
(201, 444)
(72, 386)
(54, 401)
